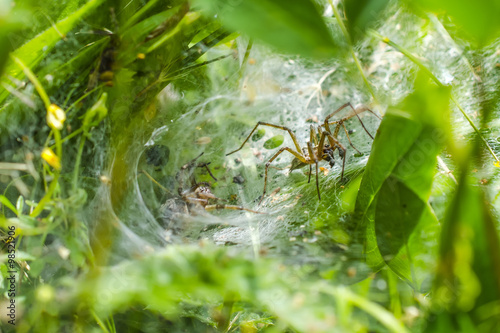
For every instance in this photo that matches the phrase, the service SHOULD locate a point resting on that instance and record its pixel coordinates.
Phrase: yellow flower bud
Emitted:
(50, 157)
(55, 117)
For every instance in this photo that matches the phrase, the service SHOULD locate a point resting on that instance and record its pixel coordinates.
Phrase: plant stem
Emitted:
(81, 98)
(351, 50)
(48, 195)
(32, 77)
(99, 321)
(66, 138)
(78, 161)
(245, 58)
(378, 312)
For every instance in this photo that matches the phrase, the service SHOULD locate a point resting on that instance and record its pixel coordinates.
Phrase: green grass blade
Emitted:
(35, 50)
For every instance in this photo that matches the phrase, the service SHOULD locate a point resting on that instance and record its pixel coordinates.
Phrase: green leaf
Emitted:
(20, 204)
(274, 142)
(362, 14)
(5, 202)
(292, 26)
(391, 207)
(259, 135)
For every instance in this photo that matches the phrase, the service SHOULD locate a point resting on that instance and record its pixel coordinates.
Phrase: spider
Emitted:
(317, 149)
(197, 198)
(200, 193)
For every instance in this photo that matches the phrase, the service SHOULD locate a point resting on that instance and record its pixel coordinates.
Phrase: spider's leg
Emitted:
(180, 176)
(312, 136)
(294, 153)
(312, 155)
(292, 135)
(348, 138)
(355, 113)
(326, 124)
(205, 165)
(361, 122)
(232, 207)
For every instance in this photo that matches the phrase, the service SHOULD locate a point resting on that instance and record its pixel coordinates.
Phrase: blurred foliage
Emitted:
(294, 27)
(103, 103)
(362, 15)
(475, 21)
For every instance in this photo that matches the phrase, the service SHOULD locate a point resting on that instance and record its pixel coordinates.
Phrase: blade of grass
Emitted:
(32, 77)
(376, 311)
(5, 202)
(139, 13)
(33, 51)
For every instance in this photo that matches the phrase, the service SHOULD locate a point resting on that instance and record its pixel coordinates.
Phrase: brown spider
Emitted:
(316, 149)
(200, 194)
(196, 199)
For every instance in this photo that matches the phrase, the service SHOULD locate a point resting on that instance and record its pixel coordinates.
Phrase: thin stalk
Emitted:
(99, 321)
(181, 71)
(111, 324)
(58, 144)
(81, 98)
(66, 138)
(435, 79)
(378, 312)
(245, 58)
(32, 77)
(155, 182)
(351, 49)
(48, 195)
(78, 161)
(138, 14)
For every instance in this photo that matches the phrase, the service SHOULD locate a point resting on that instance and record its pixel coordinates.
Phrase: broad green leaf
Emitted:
(392, 200)
(274, 142)
(292, 26)
(35, 50)
(362, 14)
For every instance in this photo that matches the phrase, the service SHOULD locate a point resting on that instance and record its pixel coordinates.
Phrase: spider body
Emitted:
(321, 146)
(326, 155)
(197, 199)
(199, 195)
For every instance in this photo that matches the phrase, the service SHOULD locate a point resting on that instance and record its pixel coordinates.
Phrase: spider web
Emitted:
(214, 119)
